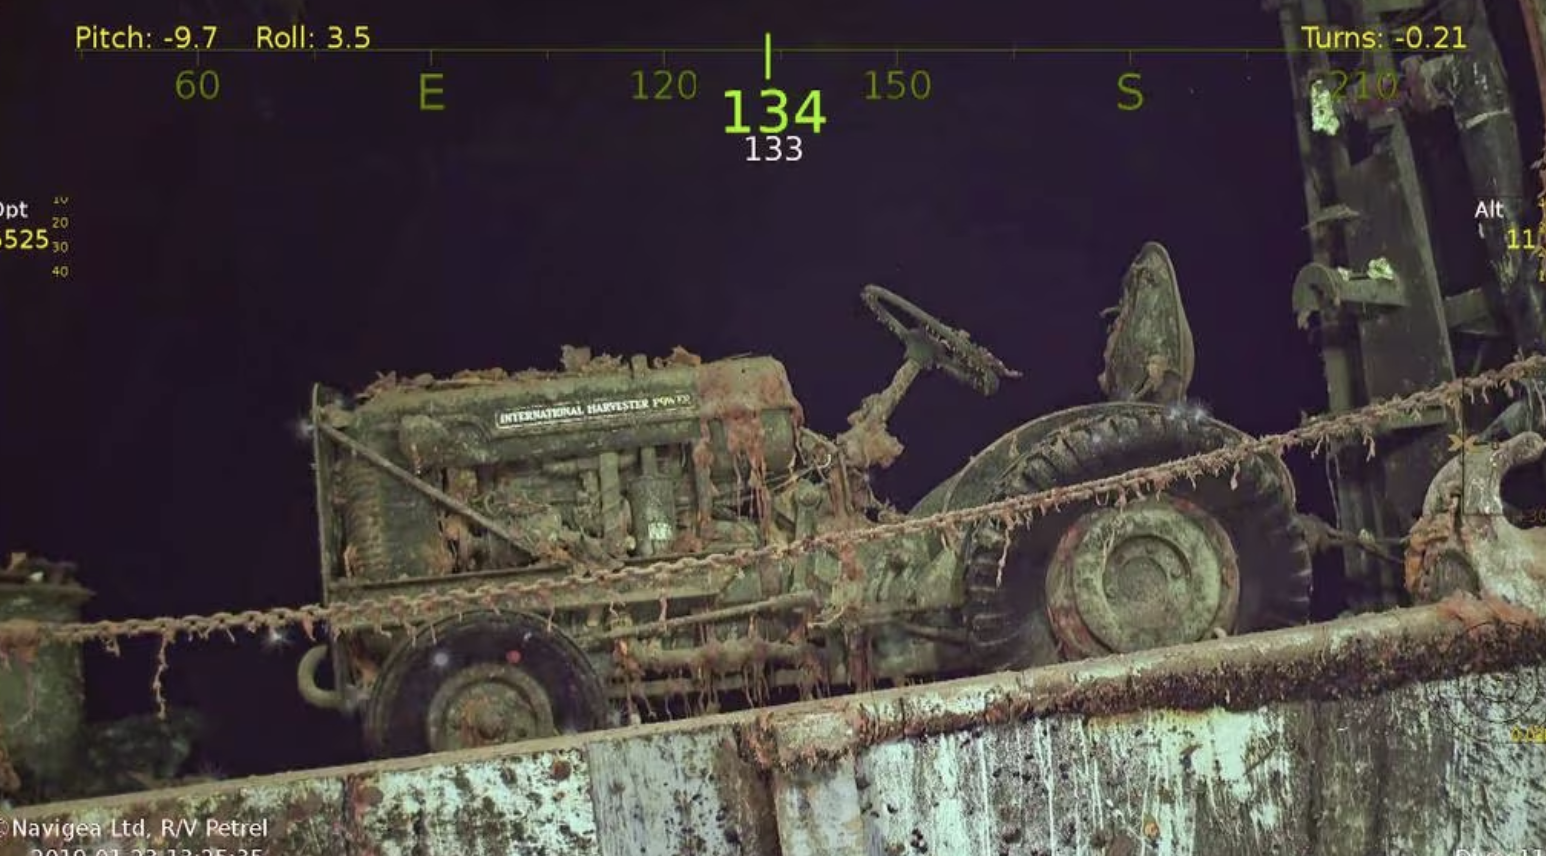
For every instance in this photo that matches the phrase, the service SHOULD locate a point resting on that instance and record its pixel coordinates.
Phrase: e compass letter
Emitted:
(511, 420)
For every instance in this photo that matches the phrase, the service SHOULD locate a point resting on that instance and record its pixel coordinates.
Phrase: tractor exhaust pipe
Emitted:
(306, 681)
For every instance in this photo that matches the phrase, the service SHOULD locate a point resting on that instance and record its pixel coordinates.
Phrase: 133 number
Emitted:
(776, 110)
(774, 149)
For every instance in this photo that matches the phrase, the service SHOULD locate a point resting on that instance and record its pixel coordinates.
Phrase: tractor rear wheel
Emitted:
(1222, 555)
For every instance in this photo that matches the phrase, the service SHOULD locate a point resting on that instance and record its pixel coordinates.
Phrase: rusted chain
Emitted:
(405, 610)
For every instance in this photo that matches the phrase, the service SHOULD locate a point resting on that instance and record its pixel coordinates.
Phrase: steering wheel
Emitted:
(933, 344)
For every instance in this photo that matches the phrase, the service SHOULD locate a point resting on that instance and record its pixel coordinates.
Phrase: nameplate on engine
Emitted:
(551, 414)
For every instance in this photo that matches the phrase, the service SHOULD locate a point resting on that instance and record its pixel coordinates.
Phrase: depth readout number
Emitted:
(201, 84)
(777, 112)
(24, 239)
(898, 84)
(664, 84)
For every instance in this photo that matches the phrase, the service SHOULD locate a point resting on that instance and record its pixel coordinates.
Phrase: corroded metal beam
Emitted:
(1368, 734)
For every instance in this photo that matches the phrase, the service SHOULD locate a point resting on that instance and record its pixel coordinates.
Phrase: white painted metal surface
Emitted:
(1425, 768)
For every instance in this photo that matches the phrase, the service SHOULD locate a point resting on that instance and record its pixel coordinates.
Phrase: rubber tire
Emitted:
(1007, 625)
(400, 696)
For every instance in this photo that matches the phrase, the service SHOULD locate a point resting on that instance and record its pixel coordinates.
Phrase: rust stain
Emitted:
(679, 356)
(1427, 534)
(727, 392)
(848, 559)
(738, 402)
(20, 638)
(868, 443)
(703, 459)
(751, 822)
(1320, 662)
(573, 359)
(359, 798)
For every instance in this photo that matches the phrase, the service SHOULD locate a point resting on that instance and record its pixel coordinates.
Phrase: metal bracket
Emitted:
(1469, 313)
(1463, 541)
(1322, 288)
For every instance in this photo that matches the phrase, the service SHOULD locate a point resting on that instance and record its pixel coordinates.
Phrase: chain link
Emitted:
(408, 610)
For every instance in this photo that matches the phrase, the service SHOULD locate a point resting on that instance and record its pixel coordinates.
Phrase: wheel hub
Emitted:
(488, 704)
(1153, 573)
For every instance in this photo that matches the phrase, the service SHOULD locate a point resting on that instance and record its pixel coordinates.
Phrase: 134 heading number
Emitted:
(776, 111)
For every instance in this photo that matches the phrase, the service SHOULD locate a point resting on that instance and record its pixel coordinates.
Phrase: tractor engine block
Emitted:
(588, 467)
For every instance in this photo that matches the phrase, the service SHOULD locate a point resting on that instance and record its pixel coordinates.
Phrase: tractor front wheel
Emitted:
(482, 680)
